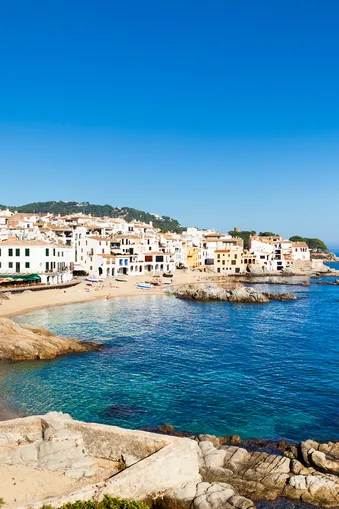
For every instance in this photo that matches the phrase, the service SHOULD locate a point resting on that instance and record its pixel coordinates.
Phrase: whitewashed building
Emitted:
(53, 262)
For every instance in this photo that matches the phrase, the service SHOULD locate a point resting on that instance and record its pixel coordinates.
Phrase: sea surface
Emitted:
(257, 370)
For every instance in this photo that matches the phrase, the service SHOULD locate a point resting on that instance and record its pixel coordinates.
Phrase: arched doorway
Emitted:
(100, 271)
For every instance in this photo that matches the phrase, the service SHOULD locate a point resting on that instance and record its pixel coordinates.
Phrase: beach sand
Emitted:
(29, 300)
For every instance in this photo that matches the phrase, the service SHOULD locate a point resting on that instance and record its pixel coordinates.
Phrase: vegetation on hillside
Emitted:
(312, 243)
(268, 234)
(65, 208)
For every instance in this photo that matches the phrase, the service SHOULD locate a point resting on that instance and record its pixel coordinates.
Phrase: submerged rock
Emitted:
(20, 342)
(239, 293)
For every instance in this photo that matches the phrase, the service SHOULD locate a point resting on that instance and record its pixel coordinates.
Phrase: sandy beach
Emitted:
(110, 288)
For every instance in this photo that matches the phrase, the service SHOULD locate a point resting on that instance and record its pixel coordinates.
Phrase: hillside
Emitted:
(64, 208)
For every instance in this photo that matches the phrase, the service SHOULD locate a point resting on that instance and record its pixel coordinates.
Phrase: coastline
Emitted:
(19, 304)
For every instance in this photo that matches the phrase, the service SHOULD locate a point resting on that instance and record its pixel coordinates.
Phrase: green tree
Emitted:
(311, 242)
(244, 235)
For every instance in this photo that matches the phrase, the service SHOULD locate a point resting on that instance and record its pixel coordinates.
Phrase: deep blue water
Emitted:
(264, 371)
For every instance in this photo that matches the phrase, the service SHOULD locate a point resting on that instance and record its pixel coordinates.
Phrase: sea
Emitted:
(256, 370)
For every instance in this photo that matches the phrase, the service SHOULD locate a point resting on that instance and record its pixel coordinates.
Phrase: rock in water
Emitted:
(239, 293)
(20, 342)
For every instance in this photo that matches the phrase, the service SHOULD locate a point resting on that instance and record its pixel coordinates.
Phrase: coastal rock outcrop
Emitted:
(259, 475)
(237, 293)
(204, 495)
(323, 457)
(20, 342)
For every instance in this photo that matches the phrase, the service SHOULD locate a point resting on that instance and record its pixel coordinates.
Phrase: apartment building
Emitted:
(53, 262)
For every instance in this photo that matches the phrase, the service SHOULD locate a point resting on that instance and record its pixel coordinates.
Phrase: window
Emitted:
(47, 265)
(223, 262)
(27, 265)
(26, 252)
(218, 269)
(47, 251)
(121, 261)
(10, 252)
(53, 252)
(233, 262)
(17, 252)
(10, 265)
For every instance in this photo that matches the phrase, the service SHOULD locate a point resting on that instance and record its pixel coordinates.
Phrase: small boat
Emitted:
(121, 279)
(92, 279)
(167, 274)
(144, 286)
(168, 282)
(154, 283)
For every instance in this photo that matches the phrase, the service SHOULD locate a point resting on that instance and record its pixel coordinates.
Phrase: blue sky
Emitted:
(217, 113)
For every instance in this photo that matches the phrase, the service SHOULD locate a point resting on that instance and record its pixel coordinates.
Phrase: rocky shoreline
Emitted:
(21, 343)
(261, 470)
(328, 257)
(237, 294)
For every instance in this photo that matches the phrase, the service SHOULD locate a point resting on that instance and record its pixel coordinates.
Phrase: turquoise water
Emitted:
(263, 371)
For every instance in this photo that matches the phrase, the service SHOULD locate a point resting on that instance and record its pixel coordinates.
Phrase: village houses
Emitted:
(56, 248)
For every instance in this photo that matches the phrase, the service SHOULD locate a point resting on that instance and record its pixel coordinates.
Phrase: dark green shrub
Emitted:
(108, 502)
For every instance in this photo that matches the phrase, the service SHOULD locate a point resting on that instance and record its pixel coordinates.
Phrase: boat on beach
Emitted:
(121, 279)
(93, 279)
(144, 286)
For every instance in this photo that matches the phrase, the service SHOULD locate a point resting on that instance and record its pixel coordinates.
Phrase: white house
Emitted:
(53, 262)
(300, 251)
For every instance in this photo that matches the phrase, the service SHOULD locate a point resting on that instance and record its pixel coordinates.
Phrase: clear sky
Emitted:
(218, 113)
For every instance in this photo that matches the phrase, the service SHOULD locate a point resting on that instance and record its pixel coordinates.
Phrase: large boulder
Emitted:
(322, 457)
(317, 489)
(204, 495)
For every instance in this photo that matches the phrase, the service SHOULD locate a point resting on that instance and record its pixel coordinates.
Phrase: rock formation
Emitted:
(307, 473)
(204, 495)
(328, 257)
(238, 293)
(20, 342)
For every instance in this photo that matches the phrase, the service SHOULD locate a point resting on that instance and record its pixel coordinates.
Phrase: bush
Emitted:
(108, 502)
